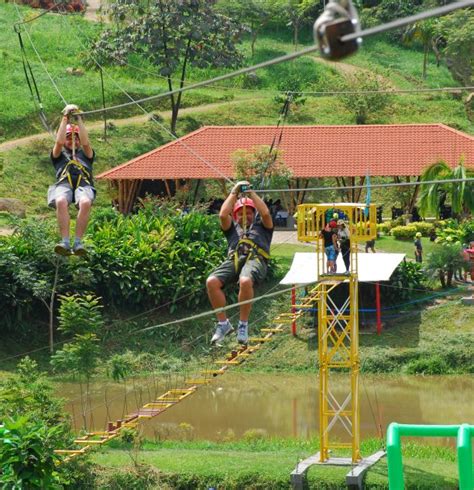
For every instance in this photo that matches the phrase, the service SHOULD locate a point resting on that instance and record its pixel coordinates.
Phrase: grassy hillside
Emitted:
(400, 66)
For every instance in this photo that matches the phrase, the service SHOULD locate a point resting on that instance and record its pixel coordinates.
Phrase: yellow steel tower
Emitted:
(338, 320)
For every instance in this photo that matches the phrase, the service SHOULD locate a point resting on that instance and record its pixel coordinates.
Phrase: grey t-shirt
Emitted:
(256, 232)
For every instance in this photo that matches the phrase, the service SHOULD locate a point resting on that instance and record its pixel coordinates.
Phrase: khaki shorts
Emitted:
(65, 190)
(255, 268)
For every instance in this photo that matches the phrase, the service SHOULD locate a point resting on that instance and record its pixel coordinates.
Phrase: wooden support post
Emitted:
(377, 306)
(293, 310)
(168, 190)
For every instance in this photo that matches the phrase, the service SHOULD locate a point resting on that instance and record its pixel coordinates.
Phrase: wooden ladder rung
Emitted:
(260, 339)
(271, 330)
(234, 362)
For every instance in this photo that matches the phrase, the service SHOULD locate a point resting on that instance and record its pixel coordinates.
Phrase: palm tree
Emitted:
(461, 194)
(423, 32)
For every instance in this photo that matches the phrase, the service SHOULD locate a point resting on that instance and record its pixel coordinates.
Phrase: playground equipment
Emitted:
(338, 335)
(463, 433)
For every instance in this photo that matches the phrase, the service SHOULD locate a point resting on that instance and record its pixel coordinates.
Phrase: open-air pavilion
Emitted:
(344, 153)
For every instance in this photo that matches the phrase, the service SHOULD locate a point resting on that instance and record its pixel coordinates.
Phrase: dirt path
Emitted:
(10, 145)
(91, 10)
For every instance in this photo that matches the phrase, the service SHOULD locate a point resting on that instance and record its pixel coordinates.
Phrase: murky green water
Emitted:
(279, 405)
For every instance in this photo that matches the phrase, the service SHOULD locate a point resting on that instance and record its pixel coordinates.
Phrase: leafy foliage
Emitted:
(403, 232)
(171, 36)
(453, 232)
(443, 261)
(365, 105)
(27, 454)
(407, 279)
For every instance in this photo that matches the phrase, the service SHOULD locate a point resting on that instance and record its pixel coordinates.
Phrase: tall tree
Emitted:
(425, 33)
(460, 194)
(171, 35)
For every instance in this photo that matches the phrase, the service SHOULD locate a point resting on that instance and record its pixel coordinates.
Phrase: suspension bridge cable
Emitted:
(290, 56)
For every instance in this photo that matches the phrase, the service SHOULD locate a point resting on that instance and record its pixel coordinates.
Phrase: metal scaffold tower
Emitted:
(338, 320)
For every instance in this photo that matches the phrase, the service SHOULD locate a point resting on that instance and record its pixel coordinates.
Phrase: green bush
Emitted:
(404, 232)
(423, 227)
(407, 278)
(428, 365)
(384, 227)
(452, 232)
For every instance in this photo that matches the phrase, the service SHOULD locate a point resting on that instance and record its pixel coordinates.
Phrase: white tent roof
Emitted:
(372, 267)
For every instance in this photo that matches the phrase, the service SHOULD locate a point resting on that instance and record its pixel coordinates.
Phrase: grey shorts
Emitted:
(255, 268)
(65, 190)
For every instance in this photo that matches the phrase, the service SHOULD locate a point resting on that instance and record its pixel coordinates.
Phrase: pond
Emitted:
(278, 404)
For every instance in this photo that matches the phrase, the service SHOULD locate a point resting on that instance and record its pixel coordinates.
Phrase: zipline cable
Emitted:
(362, 186)
(40, 59)
(387, 91)
(290, 56)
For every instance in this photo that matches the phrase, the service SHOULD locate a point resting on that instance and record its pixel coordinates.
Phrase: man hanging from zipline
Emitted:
(72, 157)
(248, 227)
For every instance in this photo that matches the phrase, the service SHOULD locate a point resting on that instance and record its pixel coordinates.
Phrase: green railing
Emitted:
(463, 433)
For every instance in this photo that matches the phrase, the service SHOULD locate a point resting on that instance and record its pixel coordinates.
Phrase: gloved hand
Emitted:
(241, 186)
(70, 109)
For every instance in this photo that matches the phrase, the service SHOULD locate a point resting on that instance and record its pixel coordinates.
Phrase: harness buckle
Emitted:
(338, 19)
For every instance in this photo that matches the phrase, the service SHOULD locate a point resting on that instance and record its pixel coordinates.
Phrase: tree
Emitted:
(296, 12)
(365, 105)
(172, 36)
(424, 32)
(255, 14)
(457, 34)
(460, 194)
(80, 316)
(443, 261)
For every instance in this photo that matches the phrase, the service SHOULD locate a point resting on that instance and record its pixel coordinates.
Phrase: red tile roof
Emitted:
(309, 151)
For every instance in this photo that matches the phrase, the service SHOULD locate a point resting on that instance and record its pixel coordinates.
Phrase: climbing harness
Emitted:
(248, 250)
(338, 19)
(75, 173)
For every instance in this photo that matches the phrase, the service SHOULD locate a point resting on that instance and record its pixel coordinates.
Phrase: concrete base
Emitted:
(353, 479)
(468, 300)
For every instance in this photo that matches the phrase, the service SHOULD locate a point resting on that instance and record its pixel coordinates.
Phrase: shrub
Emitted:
(404, 232)
(423, 227)
(384, 227)
(407, 278)
(428, 365)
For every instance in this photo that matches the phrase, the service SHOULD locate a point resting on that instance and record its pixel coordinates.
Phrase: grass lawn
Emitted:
(391, 245)
(267, 463)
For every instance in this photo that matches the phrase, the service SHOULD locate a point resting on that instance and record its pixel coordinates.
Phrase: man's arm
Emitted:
(225, 213)
(60, 137)
(84, 137)
(262, 209)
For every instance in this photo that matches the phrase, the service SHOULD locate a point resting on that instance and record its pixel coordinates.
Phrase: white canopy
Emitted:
(372, 267)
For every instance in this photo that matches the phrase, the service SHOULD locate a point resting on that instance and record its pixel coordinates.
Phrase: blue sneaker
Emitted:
(63, 248)
(221, 332)
(243, 333)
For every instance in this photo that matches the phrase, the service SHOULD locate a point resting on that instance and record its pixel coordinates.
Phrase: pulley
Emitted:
(338, 19)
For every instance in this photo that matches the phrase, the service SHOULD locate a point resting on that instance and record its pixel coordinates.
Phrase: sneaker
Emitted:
(63, 248)
(243, 333)
(79, 249)
(221, 332)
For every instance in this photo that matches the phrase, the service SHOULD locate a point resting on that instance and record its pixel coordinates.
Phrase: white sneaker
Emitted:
(221, 332)
(243, 333)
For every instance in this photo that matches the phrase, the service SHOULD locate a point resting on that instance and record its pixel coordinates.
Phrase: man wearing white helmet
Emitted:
(418, 248)
(72, 157)
(248, 227)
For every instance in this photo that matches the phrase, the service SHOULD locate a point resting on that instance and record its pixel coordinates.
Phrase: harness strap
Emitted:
(84, 174)
(254, 250)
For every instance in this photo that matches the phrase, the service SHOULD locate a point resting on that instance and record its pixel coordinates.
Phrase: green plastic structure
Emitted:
(463, 433)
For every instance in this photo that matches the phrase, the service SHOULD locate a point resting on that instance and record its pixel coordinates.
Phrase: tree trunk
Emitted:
(425, 59)
(449, 282)
(174, 118)
(442, 278)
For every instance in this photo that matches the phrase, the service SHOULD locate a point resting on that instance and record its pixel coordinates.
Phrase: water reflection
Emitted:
(281, 405)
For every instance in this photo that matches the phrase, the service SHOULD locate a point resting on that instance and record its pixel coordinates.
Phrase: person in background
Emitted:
(72, 157)
(418, 248)
(248, 228)
(344, 243)
(370, 244)
(329, 236)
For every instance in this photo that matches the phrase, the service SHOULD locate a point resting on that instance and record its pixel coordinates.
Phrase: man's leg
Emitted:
(216, 296)
(245, 292)
(85, 205)
(62, 213)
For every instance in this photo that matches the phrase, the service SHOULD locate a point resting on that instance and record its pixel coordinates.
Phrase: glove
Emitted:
(242, 186)
(70, 109)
